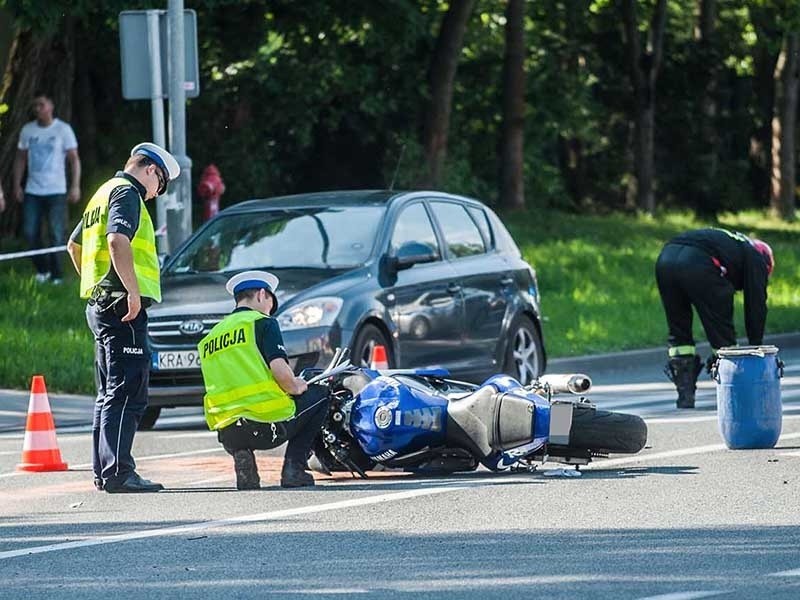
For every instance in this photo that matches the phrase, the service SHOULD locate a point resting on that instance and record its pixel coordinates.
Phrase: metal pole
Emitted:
(157, 113)
(177, 115)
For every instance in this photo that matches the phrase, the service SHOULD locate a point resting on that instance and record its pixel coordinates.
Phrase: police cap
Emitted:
(254, 280)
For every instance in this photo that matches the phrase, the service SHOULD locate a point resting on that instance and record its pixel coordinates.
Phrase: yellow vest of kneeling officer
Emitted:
(253, 399)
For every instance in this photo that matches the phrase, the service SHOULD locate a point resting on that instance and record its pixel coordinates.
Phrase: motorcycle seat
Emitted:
(487, 421)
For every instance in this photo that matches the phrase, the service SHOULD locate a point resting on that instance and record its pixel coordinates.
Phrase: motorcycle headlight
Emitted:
(319, 312)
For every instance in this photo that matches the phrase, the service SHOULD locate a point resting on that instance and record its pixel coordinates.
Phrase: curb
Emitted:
(622, 360)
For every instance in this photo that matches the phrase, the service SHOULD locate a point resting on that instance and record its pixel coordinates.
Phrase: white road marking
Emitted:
(670, 387)
(700, 418)
(672, 453)
(138, 459)
(254, 518)
(686, 595)
(665, 402)
(321, 591)
(14, 413)
(790, 454)
(792, 573)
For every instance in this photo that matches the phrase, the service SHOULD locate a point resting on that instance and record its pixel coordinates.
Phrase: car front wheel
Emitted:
(364, 343)
(524, 354)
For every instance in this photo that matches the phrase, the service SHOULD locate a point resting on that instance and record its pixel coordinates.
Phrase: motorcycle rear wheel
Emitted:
(607, 432)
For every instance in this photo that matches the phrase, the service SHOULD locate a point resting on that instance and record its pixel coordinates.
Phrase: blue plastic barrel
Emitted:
(749, 396)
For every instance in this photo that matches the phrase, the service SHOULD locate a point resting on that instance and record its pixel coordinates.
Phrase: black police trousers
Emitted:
(300, 431)
(122, 373)
(687, 277)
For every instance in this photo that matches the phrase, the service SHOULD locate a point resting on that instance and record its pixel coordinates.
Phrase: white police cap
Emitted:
(252, 280)
(163, 159)
(255, 280)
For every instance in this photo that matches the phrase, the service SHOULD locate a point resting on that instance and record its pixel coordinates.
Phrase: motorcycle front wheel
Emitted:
(607, 432)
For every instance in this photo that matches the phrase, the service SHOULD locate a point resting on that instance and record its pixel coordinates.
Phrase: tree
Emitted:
(38, 62)
(512, 191)
(784, 123)
(444, 63)
(709, 142)
(644, 65)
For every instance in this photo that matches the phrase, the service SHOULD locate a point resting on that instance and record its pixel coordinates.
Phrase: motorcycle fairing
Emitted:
(392, 417)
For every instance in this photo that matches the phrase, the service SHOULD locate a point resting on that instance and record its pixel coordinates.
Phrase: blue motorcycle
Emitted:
(421, 420)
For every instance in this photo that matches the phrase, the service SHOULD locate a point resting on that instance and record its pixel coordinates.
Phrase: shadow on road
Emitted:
(270, 561)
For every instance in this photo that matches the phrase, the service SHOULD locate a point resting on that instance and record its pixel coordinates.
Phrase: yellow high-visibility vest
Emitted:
(238, 382)
(95, 257)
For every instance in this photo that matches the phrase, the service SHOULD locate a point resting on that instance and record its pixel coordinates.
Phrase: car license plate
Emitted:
(171, 361)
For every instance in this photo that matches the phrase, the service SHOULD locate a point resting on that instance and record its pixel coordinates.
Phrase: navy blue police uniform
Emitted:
(122, 355)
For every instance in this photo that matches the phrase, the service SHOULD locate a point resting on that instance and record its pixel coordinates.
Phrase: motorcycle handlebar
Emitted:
(572, 383)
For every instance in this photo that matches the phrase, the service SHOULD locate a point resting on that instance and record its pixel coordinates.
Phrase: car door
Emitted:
(425, 300)
(485, 277)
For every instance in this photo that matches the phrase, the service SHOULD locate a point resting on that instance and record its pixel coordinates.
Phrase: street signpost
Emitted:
(158, 50)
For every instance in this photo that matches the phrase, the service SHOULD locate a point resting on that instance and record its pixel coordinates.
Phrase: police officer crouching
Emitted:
(253, 399)
(113, 249)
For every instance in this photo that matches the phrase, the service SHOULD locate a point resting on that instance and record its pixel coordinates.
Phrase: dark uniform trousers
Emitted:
(687, 276)
(122, 373)
(300, 431)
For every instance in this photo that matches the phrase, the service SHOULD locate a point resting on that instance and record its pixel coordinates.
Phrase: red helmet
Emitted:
(766, 252)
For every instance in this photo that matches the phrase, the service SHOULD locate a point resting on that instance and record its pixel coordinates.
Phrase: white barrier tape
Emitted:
(32, 252)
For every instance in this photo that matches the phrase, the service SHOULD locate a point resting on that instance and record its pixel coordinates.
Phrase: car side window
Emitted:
(482, 221)
(460, 232)
(414, 225)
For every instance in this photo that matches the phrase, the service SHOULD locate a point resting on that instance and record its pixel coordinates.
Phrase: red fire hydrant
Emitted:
(210, 189)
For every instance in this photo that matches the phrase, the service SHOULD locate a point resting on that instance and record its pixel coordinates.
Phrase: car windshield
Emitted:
(318, 238)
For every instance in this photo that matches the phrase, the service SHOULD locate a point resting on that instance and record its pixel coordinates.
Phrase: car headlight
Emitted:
(319, 312)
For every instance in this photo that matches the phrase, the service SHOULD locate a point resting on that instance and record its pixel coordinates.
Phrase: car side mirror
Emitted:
(413, 253)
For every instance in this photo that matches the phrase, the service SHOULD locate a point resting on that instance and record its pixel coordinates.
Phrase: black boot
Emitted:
(244, 462)
(294, 475)
(683, 372)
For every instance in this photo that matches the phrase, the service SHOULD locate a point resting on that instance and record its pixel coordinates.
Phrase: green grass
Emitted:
(595, 275)
(43, 331)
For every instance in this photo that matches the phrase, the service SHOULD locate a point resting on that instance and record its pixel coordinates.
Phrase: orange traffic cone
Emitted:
(40, 449)
(379, 361)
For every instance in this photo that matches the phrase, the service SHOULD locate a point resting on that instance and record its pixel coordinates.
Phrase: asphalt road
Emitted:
(684, 519)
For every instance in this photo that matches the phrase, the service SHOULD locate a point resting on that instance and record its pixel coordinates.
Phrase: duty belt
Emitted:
(105, 297)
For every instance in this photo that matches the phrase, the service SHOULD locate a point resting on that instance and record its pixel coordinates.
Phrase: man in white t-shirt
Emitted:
(45, 145)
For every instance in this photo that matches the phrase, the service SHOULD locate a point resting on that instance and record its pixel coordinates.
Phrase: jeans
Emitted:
(35, 210)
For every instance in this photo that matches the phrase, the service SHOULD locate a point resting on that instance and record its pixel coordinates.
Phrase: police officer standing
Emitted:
(113, 249)
(253, 399)
(704, 268)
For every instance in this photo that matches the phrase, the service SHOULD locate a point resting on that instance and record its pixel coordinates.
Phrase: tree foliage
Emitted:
(299, 96)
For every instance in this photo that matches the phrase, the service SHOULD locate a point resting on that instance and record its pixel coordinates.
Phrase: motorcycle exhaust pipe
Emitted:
(569, 383)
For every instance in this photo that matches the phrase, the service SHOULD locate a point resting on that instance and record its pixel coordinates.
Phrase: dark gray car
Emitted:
(435, 278)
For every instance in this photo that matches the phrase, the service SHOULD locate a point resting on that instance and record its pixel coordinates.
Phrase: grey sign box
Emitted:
(136, 59)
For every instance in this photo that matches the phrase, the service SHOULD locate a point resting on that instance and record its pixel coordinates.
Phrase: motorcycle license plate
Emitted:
(173, 361)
